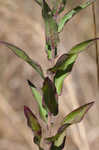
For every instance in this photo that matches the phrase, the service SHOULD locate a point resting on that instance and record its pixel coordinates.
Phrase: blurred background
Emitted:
(21, 24)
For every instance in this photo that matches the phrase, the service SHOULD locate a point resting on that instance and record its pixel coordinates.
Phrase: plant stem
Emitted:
(96, 44)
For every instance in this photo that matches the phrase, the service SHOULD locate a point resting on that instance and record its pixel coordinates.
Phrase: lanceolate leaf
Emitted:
(51, 31)
(58, 6)
(60, 76)
(81, 46)
(62, 69)
(20, 53)
(74, 117)
(50, 98)
(60, 147)
(42, 111)
(65, 63)
(72, 13)
(33, 124)
(77, 115)
(58, 141)
(58, 80)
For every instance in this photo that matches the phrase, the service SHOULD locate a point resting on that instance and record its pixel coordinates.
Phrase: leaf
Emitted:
(62, 74)
(33, 124)
(59, 78)
(50, 98)
(58, 6)
(58, 141)
(72, 13)
(81, 46)
(74, 117)
(62, 69)
(60, 147)
(65, 63)
(52, 38)
(51, 31)
(77, 115)
(20, 53)
(42, 111)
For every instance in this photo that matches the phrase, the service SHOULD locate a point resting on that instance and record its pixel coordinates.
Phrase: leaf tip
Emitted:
(91, 104)
(29, 83)
(25, 107)
(27, 111)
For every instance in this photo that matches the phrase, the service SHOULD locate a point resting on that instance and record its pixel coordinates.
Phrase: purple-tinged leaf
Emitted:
(51, 31)
(33, 122)
(50, 98)
(65, 63)
(58, 146)
(62, 69)
(60, 76)
(77, 115)
(58, 141)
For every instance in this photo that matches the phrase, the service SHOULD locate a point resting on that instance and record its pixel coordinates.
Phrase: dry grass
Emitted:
(22, 25)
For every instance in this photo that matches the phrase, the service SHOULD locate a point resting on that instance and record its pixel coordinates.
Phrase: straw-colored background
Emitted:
(21, 24)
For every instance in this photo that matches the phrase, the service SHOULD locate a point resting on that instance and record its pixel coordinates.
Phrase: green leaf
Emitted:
(52, 38)
(74, 117)
(58, 141)
(42, 111)
(33, 124)
(50, 98)
(82, 46)
(20, 53)
(58, 80)
(62, 69)
(58, 6)
(51, 31)
(72, 13)
(60, 147)
(60, 76)
(65, 63)
(77, 115)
